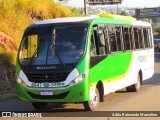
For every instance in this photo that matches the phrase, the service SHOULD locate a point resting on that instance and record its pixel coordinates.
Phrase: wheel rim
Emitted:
(94, 101)
(138, 82)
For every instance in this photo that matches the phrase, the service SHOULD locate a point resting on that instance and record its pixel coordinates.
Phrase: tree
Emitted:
(76, 12)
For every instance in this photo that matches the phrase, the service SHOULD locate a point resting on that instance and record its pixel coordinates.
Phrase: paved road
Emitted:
(147, 99)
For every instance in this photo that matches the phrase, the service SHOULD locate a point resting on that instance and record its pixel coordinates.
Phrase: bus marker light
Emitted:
(92, 85)
(78, 79)
(20, 81)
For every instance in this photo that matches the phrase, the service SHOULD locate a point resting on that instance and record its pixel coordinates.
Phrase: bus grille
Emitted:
(60, 96)
(47, 77)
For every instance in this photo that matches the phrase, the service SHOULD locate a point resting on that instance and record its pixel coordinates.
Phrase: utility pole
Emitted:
(117, 9)
(85, 7)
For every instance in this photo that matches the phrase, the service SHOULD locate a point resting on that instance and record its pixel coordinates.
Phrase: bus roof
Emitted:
(140, 23)
(66, 20)
(101, 17)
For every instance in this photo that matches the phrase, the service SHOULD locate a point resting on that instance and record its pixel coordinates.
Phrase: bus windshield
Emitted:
(53, 45)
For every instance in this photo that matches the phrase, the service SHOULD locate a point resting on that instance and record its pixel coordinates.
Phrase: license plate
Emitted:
(46, 92)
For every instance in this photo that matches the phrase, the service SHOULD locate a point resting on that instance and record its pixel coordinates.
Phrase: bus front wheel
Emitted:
(93, 104)
(39, 105)
(135, 87)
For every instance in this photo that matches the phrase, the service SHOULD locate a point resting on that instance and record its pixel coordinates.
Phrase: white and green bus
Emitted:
(82, 59)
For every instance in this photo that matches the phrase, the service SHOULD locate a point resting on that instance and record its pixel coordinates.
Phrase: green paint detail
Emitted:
(73, 96)
(113, 66)
(82, 67)
(18, 68)
(84, 64)
(111, 21)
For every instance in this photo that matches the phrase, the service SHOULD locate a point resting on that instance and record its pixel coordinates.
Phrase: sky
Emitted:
(126, 3)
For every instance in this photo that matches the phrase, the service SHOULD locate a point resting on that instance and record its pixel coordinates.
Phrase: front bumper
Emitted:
(75, 93)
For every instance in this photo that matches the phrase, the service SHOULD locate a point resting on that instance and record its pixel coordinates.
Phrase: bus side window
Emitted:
(136, 38)
(118, 37)
(127, 38)
(112, 38)
(98, 39)
(141, 43)
(149, 37)
(95, 36)
(101, 42)
(145, 36)
(106, 38)
(93, 47)
(131, 38)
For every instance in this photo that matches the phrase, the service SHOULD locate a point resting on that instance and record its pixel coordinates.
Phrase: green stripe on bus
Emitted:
(18, 68)
(111, 21)
(114, 66)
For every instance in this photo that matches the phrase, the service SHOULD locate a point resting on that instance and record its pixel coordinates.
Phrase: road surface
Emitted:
(147, 99)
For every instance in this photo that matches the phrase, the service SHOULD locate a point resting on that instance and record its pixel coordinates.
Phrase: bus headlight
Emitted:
(19, 80)
(78, 79)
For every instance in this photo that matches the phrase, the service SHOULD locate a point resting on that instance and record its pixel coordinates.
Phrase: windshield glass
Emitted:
(53, 45)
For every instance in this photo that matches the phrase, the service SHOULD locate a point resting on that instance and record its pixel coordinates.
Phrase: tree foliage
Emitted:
(16, 15)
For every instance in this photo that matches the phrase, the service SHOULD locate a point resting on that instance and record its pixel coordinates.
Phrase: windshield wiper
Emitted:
(60, 59)
(54, 50)
(35, 52)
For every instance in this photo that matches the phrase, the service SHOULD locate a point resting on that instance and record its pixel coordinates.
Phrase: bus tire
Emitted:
(39, 105)
(92, 105)
(135, 87)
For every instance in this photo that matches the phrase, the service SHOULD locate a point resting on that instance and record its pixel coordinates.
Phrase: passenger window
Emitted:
(149, 37)
(118, 36)
(101, 42)
(141, 43)
(93, 47)
(112, 38)
(127, 38)
(131, 37)
(98, 45)
(145, 36)
(136, 38)
(115, 39)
